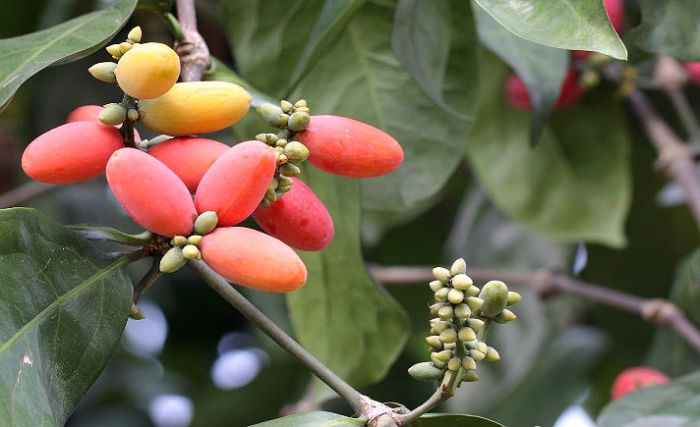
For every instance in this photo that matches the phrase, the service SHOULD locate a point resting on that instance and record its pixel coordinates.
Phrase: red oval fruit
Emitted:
(253, 259)
(190, 158)
(350, 148)
(86, 113)
(150, 193)
(236, 182)
(71, 153)
(298, 218)
(693, 70)
(517, 95)
(636, 378)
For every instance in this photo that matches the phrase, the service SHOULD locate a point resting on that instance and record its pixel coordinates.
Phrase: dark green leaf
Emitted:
(565, 24)
(676, 404)
(26, 55)
(574, 185)
(155, 6)
(453, 420)
(62, 312)
(542, 68)
(671, 28)
(342, 316)
(312, 419)
(219, 71)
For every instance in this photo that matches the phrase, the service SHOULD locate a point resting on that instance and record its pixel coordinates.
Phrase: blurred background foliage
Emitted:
(586, 200)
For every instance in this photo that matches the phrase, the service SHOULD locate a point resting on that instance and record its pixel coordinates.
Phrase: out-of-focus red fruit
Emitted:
(517, 94)
(237, 181)
(253, 259)
(86, 113)
(298, 218)
(350, 148)
(693, 70)
(150, 193)
(616, 14)
(190, 158)
(71, 153)
(635, 378)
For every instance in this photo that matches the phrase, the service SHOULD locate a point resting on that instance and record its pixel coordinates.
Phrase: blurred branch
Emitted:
(685, 112)
(24, 192)
(193, 50)
(659, 312)
(148, 279)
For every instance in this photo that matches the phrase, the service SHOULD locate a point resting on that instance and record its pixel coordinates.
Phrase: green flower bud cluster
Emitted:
(119, 49)
(289, 153)
(187, 248)
(463, 312)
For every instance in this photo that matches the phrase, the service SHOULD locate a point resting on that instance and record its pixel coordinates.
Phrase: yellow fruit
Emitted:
(195, 107)
(148, 70)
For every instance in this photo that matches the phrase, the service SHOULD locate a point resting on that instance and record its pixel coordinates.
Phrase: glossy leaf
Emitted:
(312, 419)
(564, 24)
(542, 68)
(676, 404)
(62, 308)
(671, 28)
(341, 315)
(26, 55)
(454, 420)
(543, 187)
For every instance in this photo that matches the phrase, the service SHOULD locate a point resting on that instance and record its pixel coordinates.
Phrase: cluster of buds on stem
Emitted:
(463, 314)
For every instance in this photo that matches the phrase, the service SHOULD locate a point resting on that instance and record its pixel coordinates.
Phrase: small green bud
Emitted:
(132, 114)
(114, 50)
(271, 196)
(172, 261)
(434, 342)
(206, 222)
(468, 363)
(135, 34)
(482, 347)
(441, 294)
(194, 239)
(286, 106)
(454, 364)
(300, 103)
(455, 296)
(475, 303)
(282, 120)
(179, 241)
(445, 312)
(274, 183)
(514, 298)
(462, 282)
(436, 361)
(262, 137)
(440, 326)
(466, 334)
(442, 274)
(298, 121)
(470, 376)
(191, 252)
(113, 114)
(448, 336)
(492, 355)
(472, 291)
(435, 308)
(136, 313)
(425, 371)
(104, 72)
(450, 345)
(495, 296)
(269, 114)
(476, 355)
(290, 170)
(302, 110)
(281, 143)
(505, 316)
(598, 59)
(296, 151)
(458, 267)
(443, 355)
(471, 344)
(462, 311)
(271, 138)
(265, 203)
(476, 324)
(124, 47)
(435, 285)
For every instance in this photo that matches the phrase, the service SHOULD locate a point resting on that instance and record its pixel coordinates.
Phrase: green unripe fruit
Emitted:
(441, 294)
(114, 50)
(492, 355)
(132, 114)
(458, 267)
(298, 121)
(443, 355)
(495, 296)
(475, 303)
(466, 334)
(476, 355)
(462, 282)
(425, 371)
(476, 324)
(113, 114)
(269, 114)
(191, 252)
(205, 222)
(434, 342)
(514, 298)
(282, 120)
(179, 241)
(470, 376)
(195, 239)
(435, 285)
(135, 34)
(437, 362)
(290, 170)
(468, 363)
(286, 106)
(296, 152)
(172, 261)
(300, 103)
(505, 316)
(462, 311)
(448, 336)
(454, 364)
(455, 296)
(104, 72)
(442, 274)
(445, 312)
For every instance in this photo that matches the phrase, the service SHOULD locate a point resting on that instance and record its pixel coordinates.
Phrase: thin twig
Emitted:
(437, 398)
(148, 279)
(24, 192)
(193, 50)
(659, 312)
(686, 114)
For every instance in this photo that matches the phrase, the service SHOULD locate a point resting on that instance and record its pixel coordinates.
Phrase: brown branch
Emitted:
(24, 192)
(193, 50)
(659, 312)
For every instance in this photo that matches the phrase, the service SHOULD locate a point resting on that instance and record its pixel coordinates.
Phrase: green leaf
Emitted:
(564, 24)
(676, 404)
(219, 71)
(671, 28)
(453, 420)
(361, 78)
(97, 232)
(312, 419)
(62, 312)
(542, 68)
(26, 55)
(342, 316)
(574, 185)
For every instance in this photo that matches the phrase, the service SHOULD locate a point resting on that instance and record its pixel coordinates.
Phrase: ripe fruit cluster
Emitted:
(464, 313)
(635, 378)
